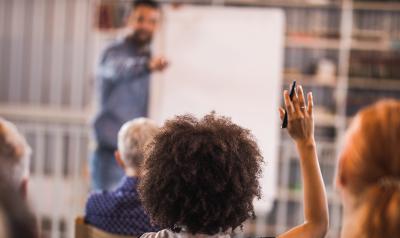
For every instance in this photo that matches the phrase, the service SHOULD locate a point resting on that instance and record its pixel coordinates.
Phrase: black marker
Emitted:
(291, 94)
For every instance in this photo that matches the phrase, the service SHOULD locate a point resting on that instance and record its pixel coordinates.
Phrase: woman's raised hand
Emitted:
(300, 116)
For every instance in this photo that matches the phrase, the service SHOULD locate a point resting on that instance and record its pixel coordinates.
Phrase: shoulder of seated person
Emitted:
(99, 194)
(97, 197)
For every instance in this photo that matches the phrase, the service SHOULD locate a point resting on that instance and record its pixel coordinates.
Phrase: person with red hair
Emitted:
(368, 175)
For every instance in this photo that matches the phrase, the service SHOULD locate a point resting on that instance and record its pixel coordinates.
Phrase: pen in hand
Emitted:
(292, 92)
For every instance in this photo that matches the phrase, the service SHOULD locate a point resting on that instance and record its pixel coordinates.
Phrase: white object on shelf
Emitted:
(326, 72)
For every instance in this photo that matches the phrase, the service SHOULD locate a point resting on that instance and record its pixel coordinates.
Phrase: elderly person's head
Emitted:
(201, 176)
(132, 140)
(369, 173)
(14, 156)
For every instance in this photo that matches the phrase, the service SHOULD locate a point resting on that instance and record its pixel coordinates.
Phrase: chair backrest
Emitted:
(83, 230)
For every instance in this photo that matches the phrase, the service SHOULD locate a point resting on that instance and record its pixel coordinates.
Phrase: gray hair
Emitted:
(14, 153)
(133, 138)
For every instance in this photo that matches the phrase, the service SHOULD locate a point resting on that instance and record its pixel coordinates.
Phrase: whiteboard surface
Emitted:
(228, 60)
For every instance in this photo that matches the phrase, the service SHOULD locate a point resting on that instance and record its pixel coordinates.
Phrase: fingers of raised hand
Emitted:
(310, 102)
(302, 101)
(296, 103)
(288, 103)
(281, 113)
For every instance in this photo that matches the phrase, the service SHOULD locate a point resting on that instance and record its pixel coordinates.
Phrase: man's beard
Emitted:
(141, 38)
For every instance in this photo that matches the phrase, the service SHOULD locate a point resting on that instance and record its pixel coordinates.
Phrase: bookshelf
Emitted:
(377, 5)
(361, 43)
(364, 47)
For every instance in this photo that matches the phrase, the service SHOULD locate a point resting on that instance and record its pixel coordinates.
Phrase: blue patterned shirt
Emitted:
(119, 212)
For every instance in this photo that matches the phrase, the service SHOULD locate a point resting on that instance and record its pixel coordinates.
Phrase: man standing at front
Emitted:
(123, 79)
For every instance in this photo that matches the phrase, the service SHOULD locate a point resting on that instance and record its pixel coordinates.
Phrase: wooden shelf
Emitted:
(334, 44)
(367, 33)
(371, 46)
(308, 80)
(374, 84)
(382, 6)
(357, 5)
(287, 3)
(312, 43)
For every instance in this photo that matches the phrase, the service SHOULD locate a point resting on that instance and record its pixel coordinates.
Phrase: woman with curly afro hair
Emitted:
(200, 177)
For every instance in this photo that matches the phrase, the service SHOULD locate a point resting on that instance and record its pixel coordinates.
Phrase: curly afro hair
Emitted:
(201, 175)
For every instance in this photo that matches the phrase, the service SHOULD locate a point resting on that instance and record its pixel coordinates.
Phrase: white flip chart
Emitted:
(227, 59)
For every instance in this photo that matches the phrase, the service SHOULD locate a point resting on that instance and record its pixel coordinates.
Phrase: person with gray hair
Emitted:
(120, 211)
(14, 156)
(132, 139)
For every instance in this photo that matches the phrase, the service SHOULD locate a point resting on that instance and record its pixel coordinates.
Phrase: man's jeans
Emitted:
(104, 170)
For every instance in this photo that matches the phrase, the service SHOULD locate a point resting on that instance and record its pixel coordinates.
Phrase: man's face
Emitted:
(143, 22)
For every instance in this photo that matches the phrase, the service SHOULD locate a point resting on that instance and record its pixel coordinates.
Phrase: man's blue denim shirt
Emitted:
(123, 81)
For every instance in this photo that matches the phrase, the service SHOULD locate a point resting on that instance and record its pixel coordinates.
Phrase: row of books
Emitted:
(377, 25)
(372, 64)
(318, 22)
(371, 25)
(365, 64)
(359, 98)
(305, 61)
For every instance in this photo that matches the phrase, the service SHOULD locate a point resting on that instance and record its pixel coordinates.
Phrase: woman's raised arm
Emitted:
(301, 129)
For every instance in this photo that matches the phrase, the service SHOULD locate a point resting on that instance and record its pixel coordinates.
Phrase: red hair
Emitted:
(370, 167)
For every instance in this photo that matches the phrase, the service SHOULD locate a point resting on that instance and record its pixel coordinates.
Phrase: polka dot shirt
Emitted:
(120, 211)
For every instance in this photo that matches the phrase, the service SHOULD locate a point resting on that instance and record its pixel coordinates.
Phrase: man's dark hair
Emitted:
(201, 175)
(147, 3)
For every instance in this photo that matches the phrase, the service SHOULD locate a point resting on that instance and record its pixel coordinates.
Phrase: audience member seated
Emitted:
(120, 211)
(16, 220)
(14, 156)
(368, 175)
(201, 176)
